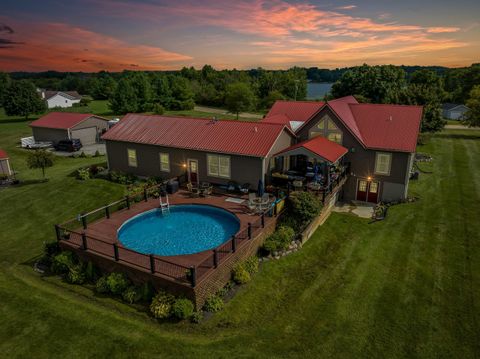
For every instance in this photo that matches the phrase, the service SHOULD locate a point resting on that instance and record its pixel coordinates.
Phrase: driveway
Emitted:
(88, 150)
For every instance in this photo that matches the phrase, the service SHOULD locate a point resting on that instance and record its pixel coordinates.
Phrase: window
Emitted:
(382, 163)
(164, 162)
(335, 137)
(321, 125)
(373, 187)
(331, 125)
(132, 157)
(362, 186)
(218, 166)
(272, 163)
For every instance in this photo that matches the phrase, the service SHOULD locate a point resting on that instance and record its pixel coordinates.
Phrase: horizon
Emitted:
(162, 35)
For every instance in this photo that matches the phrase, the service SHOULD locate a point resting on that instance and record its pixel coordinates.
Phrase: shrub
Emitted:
(76, 274)
(280, 239)
(251, 265)
(82, 155)
(423, 138)
(240, 274)
(223, 291)
(83, 174)
(62, 262)
(102, 286)
(91, 272)
(97, 154)
(51, 248)
(214, 303)
(94, 169)
(158, 109)
(132, 295)
(182, 308)
(117, 283)
(161, 306)
(196, 317)
(304, 206)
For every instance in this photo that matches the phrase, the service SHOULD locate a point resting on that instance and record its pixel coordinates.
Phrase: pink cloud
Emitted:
(346, 7)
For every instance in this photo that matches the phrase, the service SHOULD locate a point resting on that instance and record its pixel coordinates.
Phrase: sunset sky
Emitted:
(94, 35)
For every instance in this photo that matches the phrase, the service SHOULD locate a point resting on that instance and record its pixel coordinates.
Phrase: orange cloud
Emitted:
(59, 46)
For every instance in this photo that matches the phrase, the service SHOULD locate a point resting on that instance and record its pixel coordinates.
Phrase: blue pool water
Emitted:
(186, 229)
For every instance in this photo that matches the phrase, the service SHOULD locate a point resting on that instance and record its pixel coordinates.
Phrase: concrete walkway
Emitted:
(221, 111)
(362, 211)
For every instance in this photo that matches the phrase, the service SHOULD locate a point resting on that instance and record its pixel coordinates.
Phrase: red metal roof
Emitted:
(321, 146)
(295, 110)
(61, 120)
(223, 136)
(3, 154)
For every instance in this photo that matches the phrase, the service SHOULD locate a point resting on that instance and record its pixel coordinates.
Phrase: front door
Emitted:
(193, 171)
(367, 191)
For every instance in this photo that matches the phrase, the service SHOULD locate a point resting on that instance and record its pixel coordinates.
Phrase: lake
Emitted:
(316, 90)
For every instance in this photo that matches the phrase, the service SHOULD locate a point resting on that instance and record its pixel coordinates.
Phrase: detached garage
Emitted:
(57, 126)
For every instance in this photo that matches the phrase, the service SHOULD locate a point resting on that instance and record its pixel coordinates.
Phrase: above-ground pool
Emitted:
(185, 229)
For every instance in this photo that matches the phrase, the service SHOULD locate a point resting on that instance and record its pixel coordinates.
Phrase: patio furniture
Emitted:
(244, 188)
(206, 189)
(265, 200)
(232, 186)
(297, 185)
(194, 191)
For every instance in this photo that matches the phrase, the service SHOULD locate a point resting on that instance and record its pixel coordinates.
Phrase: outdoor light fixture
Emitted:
(184, 165)
(369, 178)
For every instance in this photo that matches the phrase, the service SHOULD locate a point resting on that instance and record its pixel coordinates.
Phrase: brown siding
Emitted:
(284, 140)
(362, 160)
(243, 169)
(93, 121)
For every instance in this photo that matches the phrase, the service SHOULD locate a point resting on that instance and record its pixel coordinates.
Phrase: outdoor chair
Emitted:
(245, 188)
(206, 189)
(265, 202)
(194, 191)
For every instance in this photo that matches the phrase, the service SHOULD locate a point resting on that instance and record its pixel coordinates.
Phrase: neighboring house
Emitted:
(60, 98)
(379, 143)
(57, 126)
(453, 111)
(5, 169)
(376, 142)
(200, 149)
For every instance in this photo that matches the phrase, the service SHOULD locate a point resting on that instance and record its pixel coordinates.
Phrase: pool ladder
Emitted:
(164, 206)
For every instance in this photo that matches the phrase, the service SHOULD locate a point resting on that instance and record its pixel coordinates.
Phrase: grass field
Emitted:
(405, 287)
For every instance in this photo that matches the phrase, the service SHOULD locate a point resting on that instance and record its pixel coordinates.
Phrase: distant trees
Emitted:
(21, 99)
(124, 98)
(4, 84)
(40, 159)
(472, 117)
(239, 97)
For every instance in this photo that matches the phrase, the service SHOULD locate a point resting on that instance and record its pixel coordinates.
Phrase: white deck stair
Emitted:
(164, 206)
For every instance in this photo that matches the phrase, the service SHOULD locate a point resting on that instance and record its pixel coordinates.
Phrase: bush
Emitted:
(117, 283)
(196, 317)
(161, 306)
(76, 274)
(223, 291)
(240, 274)
(62, 263)
(51, 249)
(158, 109)
(251, 265)
(214, 303)
(82, 155)
(280, 239)
(423, 138)
(182, 308)
(96, 154)
(102, 286)
(304, 206)
(91, 272)
(132, 295)
(83, 174)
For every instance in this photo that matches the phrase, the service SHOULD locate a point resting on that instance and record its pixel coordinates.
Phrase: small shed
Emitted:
(57, 126)
(453, 111)
(5, 169)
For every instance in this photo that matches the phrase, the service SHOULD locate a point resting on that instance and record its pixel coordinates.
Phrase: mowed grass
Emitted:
(405, 287)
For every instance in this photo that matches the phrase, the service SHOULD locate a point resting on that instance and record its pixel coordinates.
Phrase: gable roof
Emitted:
(387, 127)
(62, 120)
(320, 146)
(221, 136)
(292, 113)
(73, 95)
(3, 155)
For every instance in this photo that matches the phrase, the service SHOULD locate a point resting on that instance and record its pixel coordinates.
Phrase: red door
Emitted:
(367, 191)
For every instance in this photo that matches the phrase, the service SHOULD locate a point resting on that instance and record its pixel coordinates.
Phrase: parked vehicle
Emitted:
(29, 142)
(71, 145)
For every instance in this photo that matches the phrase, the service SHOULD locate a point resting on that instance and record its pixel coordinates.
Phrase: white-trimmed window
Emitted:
(383, 161)
(132, 157)
(335, 137)
(218, 166)
(164, 162)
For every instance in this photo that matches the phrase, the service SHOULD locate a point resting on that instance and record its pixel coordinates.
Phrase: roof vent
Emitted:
(255, 129)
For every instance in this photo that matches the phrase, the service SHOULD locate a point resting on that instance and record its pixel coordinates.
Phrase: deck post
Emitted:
(234, 244)
(115, 252)
(107, 211)
(127, 202)
(249, 230)
(145, 195)
(263, 220)
(152, 263)
(193, 275)
(215, 258)
(84, 220)
(84, 241)
(57, 232)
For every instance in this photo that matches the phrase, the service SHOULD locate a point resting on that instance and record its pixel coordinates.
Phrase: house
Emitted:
(378, 142)
(60, 98)
(203, 150)
(5, 169)
(453, 111)
(57, 126)
(297, 142)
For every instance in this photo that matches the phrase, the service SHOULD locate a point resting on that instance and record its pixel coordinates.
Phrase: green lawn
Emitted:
(405, 287)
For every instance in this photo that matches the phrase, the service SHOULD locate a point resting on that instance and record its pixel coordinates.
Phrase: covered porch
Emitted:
(315, 165)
